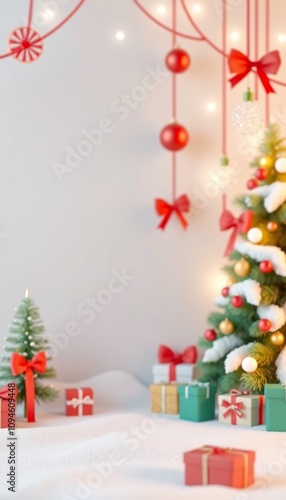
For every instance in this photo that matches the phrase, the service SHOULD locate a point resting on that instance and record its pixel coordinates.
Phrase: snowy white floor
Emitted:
(122, 452)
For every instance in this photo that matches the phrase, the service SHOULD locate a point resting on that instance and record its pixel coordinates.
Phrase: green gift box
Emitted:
(197, 401)
(275, 407)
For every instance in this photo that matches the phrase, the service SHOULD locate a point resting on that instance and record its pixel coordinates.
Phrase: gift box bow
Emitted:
(167, 355)
(80, 401)
(233, 407)
(6, 391)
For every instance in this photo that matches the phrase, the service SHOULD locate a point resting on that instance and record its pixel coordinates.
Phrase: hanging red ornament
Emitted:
(237, 301)
(174, 137)
(264, 325)
(261, 174)
(25, 44)
(177, 60)
(266, 266)
(210, 335)
(251, 184)
(225, 291)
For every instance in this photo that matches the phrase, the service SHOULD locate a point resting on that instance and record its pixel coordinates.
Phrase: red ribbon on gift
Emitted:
(260, 411)
(5, 391)
(240, 225)
(19, 364)
(240, 64)
(180, 205)
(166, 355)
(234, 408)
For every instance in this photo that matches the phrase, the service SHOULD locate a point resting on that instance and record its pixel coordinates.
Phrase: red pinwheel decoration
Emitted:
(25, 44)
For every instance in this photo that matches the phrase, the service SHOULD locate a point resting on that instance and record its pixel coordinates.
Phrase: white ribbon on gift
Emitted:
(80, 401)
(193, 383)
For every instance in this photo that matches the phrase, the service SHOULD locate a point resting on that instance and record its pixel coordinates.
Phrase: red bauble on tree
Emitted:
(210, 334)
(225, 291)
(264, 325)
(261, 174)
(178, 60)
(237, 301)
(266, 266)
(251, 184)
(174, 137)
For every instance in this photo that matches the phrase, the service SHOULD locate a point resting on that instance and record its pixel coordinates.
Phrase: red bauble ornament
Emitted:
(177, 60)
(261, 174)
(237, 301)
(174, 137)
(264, 325)
(225, 291)
(210, 334)
(266, 266)
(252, 183)
(25, 44)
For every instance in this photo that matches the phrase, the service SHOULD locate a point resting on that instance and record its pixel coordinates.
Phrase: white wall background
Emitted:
(64, 239)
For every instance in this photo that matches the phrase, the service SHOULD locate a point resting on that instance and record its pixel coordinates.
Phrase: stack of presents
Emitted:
(176, 391)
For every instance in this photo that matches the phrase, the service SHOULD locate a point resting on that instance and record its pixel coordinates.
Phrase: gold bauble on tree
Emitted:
(230, 281)
(272, 226)
(266, 161)
(277, 338)
(242, 267)
(226, 327)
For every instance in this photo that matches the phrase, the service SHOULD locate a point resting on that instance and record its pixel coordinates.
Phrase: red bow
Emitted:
(240, 225)
(233, 408)
(19, 364)
(182, 204)
(241, 65)
(6, 391)
(166, 355)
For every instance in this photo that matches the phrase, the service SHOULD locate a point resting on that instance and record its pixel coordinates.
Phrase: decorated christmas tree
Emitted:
(245, 346)
(25, 360)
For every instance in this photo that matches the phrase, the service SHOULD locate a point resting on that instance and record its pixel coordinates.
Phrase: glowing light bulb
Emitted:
(161, 9)
(49, 14)
(197, 8)
(120, 35)
(235, 36)
(211, 107)
(282, 38)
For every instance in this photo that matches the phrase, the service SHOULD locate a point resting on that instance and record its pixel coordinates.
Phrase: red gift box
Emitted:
(5, 407)
(224, 466)
(79, 402)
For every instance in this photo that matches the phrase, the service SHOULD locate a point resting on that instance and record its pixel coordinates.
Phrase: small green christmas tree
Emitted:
(246, 346)
(27, 339)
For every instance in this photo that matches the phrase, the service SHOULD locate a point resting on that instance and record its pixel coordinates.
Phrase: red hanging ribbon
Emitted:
(166, 355)
(19, 364)
(234, 408)
(240, 64)
(182, 204)
(240, 225)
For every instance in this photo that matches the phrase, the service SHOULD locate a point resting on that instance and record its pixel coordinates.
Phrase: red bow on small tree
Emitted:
(240, 64)
(19, 365)
(182, 204)
(240, 225)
